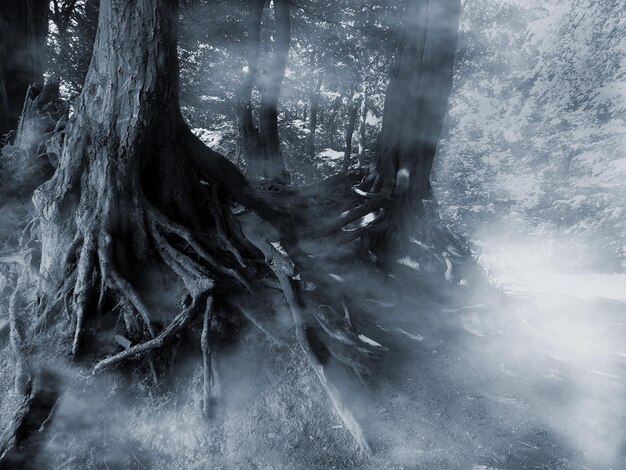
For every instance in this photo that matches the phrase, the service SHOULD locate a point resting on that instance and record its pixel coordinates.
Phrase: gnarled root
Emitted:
(218, 261)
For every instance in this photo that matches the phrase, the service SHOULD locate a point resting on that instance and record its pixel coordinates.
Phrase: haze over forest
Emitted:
(278, 234)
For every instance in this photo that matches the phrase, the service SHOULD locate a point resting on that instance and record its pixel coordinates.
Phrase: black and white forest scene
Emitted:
(313, 234)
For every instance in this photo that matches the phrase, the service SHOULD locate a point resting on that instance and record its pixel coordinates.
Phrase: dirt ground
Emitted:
(525, 382)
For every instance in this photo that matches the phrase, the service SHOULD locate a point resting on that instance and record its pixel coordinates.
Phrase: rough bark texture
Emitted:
(23, 28)
(137, 198)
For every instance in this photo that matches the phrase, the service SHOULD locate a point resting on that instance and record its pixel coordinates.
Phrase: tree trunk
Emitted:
(137, 197)
(349, 133)
(362, 126)
(248, 132)
(332, 122)
(415, 107)
(122, 152)
(315, 101)
(23, 29)
(272, 165)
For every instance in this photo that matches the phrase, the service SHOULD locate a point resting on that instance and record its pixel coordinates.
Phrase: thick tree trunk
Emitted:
(123, 149)
(272, 165)
(137, 198)
(347, 154)
(23, 28)
(414, 111)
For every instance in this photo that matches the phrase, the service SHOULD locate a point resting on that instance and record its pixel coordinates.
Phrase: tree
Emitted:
(136, 196)
(415, 107)
(23, 27)
(71, 40)
(347, 154)
(262, 145)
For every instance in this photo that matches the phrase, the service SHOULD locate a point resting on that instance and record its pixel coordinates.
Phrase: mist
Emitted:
(512, 358)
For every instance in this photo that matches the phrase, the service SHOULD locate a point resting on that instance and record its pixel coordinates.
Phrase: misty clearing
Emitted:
(322, 235)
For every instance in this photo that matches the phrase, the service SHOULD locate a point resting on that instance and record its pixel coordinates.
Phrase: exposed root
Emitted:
(209, 259)
(167, 335)
(304, 342)
(347, 217)
(165, 223)
(23, 437)
(83, 287)
(207, 369)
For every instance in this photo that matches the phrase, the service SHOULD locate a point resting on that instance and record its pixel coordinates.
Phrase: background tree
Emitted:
(70, 42)
(23, 28)
(262, 144)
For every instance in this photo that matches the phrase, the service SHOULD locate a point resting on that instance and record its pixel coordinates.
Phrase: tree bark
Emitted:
(248, 131)
(123, 151)
(136, 196)
(23, 29)
(272, 165)
(415, 107)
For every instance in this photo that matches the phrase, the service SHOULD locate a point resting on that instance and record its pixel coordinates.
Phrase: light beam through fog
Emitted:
(173, 302)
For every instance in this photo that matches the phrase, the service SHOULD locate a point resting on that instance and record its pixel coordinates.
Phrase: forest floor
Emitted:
(528, 376)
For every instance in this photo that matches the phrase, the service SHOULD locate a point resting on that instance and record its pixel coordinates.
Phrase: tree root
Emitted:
(208, 388)
(168, 334)
(209, 260)
(281, 271)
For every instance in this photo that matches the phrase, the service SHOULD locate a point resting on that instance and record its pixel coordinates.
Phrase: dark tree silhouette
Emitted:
(396, 194)
(23, 28)
(262, 144)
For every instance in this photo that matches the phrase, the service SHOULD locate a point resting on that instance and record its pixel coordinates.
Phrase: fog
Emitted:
(520, 366)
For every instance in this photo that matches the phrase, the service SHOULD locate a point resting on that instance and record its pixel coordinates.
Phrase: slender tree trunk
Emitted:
(23, 29)
(332, 122)
(362, 126)
(272, 166)
(248, 132)
(349, 134)
(315, 101)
